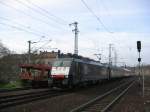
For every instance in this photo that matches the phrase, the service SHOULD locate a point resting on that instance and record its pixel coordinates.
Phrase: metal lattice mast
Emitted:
(76, 31)
(29, 52)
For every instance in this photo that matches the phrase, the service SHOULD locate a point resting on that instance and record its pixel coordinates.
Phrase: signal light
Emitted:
(139, 46)
(139, 59)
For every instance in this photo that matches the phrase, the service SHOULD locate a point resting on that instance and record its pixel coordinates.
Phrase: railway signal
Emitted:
(139, 60)
(139, 50)
(139, 46)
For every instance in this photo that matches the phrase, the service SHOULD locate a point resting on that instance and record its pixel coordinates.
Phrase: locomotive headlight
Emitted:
(66, 76)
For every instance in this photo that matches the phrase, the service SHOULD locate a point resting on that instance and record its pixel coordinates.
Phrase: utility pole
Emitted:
(110, 61)
(76, 31)
(115, 57)
(29, 52)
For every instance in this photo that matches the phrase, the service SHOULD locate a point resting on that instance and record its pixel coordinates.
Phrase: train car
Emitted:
(71, 72)
(128, 72)
(117, 72)
(35, 75)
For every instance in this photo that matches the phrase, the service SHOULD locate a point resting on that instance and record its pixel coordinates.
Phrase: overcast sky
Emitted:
(104, 22)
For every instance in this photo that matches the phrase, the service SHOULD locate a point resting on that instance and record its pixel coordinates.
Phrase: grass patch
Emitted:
(11, 85)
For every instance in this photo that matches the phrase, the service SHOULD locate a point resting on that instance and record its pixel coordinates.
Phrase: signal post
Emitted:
(141, 76)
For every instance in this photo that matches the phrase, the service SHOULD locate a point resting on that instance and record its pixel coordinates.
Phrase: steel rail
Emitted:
(85, 105)
(13, 101)
(15, 89)
(21, 94)
(117, 98)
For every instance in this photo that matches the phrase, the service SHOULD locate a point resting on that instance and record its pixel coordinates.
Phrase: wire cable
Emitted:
(41, 13)
(47, 12)
(23, 26)
(105, 7)
(35, 10)
(21, 29)
(98, 18)
(31, 16)
(42, 46)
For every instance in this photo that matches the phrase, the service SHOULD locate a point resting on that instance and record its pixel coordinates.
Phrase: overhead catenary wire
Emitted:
(25, 29)
(35, 10)
(39, 41)
(24, 26)
(47, 12)
(104, 6)
(21, 29)
(98, 18)
(31, 16)
(41, 13)
(42, 46)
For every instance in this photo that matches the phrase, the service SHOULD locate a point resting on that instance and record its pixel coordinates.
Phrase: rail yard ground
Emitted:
(132, 101)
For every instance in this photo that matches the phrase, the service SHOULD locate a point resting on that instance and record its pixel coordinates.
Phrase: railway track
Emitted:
(16, 89)
(12, 100)
(105, 102)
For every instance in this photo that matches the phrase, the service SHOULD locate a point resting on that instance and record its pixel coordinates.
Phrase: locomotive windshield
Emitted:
(62, 63)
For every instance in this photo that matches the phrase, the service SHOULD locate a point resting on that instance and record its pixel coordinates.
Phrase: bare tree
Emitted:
(3, 50)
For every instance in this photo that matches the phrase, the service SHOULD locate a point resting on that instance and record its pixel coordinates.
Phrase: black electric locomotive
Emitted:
(69, 72)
